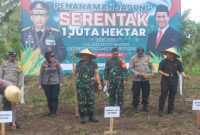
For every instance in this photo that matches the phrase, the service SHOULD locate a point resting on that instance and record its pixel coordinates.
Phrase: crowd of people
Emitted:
(87, 73)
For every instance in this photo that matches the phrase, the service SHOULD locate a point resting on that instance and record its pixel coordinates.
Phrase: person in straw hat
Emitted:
(11, 70)
(12, 96)
(168, 69)
(86, 72)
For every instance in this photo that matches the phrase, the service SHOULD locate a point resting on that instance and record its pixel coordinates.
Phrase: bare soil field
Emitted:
(32, 122)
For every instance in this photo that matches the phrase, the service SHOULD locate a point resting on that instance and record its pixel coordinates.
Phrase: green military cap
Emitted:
(39, 8)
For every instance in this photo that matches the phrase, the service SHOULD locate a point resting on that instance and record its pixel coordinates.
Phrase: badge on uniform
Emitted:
(29, 39)
(50, 41)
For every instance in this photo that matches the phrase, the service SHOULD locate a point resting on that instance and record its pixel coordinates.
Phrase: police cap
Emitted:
(12, 53)
(140, 49)
(39, 7)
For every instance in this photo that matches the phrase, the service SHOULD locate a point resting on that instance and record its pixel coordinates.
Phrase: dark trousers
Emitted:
(136, 86)
(51, 93)
(165, 88)
(6, 105)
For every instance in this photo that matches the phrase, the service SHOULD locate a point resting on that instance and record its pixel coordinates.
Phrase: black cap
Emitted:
(140, 49)
(162, 8)
(12, 53)
(39, 7)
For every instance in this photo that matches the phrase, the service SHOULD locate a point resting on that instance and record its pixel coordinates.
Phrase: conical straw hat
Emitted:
(170, 50)
(13, 94)
(85, 51)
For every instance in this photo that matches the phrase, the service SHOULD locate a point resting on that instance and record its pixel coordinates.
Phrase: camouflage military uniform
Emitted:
(85, 84)
(116, 74)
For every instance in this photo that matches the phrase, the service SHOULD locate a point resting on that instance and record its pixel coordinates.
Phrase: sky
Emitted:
(194, 5)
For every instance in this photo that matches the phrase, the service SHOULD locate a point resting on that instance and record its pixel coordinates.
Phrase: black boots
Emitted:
(145, 108)
(160, 113)
(135, 109)
(92, 118)
(82, 120)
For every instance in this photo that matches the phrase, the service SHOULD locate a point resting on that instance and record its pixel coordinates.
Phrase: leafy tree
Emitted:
(7, 6)
(10, 36)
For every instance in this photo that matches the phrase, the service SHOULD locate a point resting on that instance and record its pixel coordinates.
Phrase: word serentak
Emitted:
(102, 19)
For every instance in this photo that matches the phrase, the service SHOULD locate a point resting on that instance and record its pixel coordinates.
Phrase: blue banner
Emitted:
(99, 25)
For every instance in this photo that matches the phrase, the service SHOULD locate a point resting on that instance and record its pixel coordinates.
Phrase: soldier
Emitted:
(51, 80)
(116, 73)
(168, 69)
(138, 66)
(86, 72)
(11, 70)
(40, 36)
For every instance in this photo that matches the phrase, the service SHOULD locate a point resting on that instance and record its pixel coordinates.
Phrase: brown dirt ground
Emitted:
(32, 122)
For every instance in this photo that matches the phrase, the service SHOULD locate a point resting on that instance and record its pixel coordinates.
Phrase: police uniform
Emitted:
(140, 65)
(50, 79)
(116, 73)
(11, 72)
(48, 39)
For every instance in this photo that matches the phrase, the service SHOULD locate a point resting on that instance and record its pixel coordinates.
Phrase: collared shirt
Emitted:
(50, 73)
(171, 68)
(10, 72)
(163, 31)
(40, 30)
(140, 65)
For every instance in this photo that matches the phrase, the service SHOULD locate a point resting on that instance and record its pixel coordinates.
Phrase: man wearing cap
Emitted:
(116, 73)
(165, 37)
(86, 72)
(138, 66)
(11, 70)
(168, 69)
(51, 80)
(41, 36)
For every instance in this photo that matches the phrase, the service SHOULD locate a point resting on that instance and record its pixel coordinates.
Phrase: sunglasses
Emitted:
(51, 56)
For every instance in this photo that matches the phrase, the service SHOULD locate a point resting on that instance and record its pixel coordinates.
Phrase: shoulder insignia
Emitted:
(20, 68)
(24, 29)
(54, 29)
(123, 63)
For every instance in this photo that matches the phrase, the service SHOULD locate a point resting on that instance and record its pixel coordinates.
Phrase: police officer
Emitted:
(168, 69)
(51, 80)
(138, 66)
(86, 72)
(41, 36)
(11, 70)
(115, 71)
